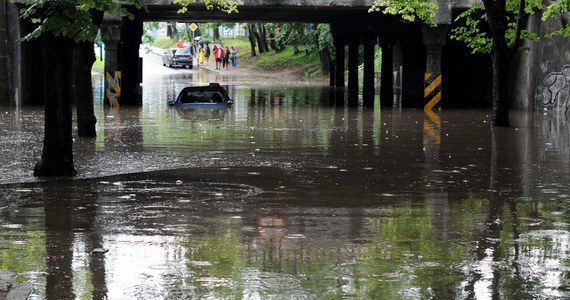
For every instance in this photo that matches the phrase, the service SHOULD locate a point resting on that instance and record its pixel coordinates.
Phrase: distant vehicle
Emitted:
(212, 96)
(177, 57)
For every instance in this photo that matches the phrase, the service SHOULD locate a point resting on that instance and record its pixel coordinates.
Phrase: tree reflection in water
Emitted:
(286, 196)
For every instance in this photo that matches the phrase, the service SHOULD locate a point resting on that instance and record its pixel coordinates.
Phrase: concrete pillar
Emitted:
(386, 74)
(4, 56)
(83, 57)
(353, 45)
(111, 35)
(339, 40)
(27, 65)
(332, 74)
(434, 40)
(339, 44)
(369, 41)
(131, 38)
(20, 63)
(397, 74)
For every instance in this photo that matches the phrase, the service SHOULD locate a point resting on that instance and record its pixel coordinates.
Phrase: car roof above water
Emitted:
(211, 87)
(196, 94)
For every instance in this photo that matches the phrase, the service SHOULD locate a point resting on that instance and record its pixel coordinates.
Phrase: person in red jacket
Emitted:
(218, 55)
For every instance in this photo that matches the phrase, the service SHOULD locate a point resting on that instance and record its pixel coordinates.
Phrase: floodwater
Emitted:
(284, 196)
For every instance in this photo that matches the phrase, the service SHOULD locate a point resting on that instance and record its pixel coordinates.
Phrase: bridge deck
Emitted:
(318, 11)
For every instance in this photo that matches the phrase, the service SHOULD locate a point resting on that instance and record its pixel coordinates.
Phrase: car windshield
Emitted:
(204, 96)
(181, 52)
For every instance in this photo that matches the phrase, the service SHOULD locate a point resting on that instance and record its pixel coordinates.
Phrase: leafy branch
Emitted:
(72, 19)
(409, 10)
(559, 8)
(473, 30)
(228, 6)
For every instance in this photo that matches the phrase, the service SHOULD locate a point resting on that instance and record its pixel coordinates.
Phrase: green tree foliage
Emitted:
(149, 27)
(325, 38)
(293, 34)
(557, 8)
(474, 26)
(70, 19)
(214, 27)
(311, 37)
(409, 10)
(229, 6)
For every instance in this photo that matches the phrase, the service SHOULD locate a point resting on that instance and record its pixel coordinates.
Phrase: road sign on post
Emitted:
(193, 27)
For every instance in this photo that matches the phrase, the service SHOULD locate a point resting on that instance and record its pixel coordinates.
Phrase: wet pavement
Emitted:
(284, 196)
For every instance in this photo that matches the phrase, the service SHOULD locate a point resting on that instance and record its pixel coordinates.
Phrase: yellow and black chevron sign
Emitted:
(432, 90)
(113, 87)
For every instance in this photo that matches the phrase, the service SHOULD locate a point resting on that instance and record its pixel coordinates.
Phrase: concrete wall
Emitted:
(23, 69)
(541, 78)
(552, 88)
(523, 84)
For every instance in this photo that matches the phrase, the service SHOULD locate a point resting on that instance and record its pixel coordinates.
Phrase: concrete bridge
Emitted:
(415, 57)
(352, 26)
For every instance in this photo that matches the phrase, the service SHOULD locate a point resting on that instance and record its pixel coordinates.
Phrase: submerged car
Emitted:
(178, 57)
(212, 96)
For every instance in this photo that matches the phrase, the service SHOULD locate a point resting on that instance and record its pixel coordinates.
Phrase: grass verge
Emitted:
(98, 65)
(309, 63)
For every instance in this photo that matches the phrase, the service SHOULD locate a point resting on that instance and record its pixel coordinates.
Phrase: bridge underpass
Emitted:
(409, 50)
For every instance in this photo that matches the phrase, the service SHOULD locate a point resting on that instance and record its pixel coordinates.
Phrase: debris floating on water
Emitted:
(99, 250)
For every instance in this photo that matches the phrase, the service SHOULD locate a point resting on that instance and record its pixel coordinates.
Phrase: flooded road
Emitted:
(284, 196)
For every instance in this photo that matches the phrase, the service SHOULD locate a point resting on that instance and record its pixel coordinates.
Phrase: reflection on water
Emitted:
(284, 196)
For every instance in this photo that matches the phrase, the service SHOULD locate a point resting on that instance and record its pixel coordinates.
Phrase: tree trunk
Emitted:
(188, 31)
(273, 44)
(324, 56)
(82, 89)
(251, 39)
(57, 153)
(258, 39)
(216, 30)
(325, 60)
(500, 92)
(171, 30)
(500, 59)
(197, 32)
(263, 37)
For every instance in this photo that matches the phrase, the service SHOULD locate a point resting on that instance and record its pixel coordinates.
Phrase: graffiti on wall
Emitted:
(554, 91)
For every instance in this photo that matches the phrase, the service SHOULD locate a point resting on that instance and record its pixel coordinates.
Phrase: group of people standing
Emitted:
(223, 57)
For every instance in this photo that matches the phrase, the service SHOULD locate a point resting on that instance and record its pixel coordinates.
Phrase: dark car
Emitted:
(177, 57)
(212, 96)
